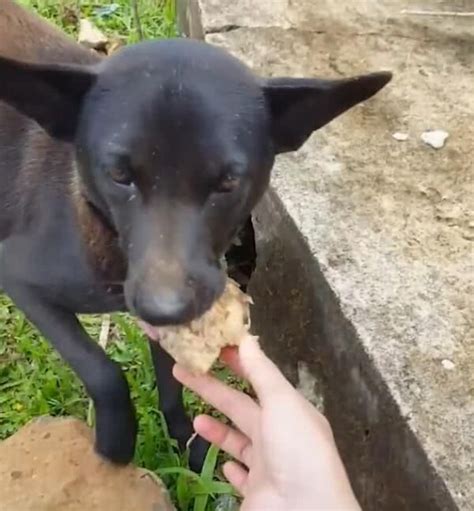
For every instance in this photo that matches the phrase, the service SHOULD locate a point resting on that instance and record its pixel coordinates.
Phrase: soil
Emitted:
(50, 465)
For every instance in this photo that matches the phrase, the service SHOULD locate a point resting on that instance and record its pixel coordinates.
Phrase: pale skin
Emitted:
(284, 450)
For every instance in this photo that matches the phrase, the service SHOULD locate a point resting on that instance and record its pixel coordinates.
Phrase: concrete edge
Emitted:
(387, 465)
(313, 322)
(189, 19)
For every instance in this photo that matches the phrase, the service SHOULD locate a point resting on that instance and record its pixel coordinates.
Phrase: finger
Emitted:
(230, 357)
(240, 409)
(226, 438)
(236, 475)
(264, 376)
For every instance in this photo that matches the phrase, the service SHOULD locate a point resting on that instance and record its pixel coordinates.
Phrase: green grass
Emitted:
(34, 380)
(115, 18)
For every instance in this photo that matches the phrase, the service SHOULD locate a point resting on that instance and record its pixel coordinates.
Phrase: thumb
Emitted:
(264, 376)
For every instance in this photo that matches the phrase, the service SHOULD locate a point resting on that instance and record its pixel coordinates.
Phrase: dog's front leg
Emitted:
(170, 393)
(116, 426)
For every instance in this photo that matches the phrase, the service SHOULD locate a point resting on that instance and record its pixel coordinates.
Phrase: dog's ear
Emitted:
(50, 94)
(300, 106)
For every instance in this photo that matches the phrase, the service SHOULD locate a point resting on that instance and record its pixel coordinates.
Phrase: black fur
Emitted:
(123, 183)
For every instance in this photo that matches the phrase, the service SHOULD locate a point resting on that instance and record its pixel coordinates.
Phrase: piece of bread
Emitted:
(197, 346)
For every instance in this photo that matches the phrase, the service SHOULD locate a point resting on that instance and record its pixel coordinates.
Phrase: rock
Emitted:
(448, 364)
(401, 137)
(91, 36)
(50, 465)
(435, 138)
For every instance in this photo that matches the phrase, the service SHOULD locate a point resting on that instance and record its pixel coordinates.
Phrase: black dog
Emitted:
(124, 181)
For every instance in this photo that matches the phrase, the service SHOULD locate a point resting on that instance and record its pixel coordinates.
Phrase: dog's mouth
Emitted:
(153, 330)
(154, 321)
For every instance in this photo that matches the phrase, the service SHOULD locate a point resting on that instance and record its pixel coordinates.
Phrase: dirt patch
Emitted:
(50, 465)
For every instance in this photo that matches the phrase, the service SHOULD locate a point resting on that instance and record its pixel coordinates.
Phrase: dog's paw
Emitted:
(115, 440)
(197, 453)
(117, 454)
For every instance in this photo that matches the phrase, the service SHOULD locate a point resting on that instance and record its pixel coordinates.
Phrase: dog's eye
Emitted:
(228, 184)
(121, 176)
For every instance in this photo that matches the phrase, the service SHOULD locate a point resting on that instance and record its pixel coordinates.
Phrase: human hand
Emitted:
(286, 455)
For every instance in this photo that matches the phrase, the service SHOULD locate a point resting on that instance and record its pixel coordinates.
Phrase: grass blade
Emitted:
(207, 474)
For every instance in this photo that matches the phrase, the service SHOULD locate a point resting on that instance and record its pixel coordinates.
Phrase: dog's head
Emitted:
(175, 141)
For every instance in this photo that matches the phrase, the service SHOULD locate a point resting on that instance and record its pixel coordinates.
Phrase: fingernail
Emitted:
(180, 373)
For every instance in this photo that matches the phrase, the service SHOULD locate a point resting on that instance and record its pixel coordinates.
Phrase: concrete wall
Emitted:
(364, 278)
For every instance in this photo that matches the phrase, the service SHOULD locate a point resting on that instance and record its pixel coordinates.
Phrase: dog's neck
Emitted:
(99, 238)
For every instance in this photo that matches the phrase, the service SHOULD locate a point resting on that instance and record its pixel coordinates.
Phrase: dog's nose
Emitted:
(166, 307)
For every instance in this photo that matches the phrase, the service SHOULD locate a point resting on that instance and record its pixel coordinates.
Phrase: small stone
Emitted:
(448, 364)
(401, 137)
(91, 36)
(435, 138)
